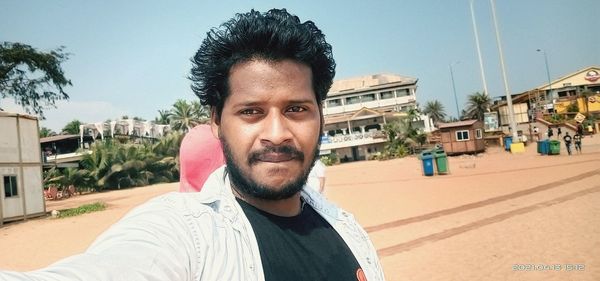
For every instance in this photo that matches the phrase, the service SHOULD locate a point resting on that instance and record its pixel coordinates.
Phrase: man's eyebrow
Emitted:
(258, 103)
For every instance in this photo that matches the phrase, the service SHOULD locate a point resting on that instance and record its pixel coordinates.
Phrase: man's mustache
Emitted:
(285, 150)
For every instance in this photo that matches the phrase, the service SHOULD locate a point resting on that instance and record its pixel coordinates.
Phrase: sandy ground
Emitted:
(497, 216)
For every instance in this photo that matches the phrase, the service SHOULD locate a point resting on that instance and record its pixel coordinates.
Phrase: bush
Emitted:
(83, 209)
(330, 159)
(573, 107)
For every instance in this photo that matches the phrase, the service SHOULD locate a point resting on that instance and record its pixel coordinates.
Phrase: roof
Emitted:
(369, 82)
(10, 114)
(463, 123)
(58, 138)
(545, 85)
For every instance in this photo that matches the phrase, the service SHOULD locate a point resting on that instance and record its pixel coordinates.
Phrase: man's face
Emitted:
(269, 127)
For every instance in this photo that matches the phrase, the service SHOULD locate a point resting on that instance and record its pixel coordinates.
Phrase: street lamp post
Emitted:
(485, 89)
(547, 73)
(511, 111)
(454, 88)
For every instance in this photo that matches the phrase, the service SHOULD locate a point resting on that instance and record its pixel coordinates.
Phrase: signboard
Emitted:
(490, 122)
(579, 117)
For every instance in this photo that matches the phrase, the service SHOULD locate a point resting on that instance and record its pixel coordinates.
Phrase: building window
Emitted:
(353, 100)
(369, 97)
(10, 186)
(478, 134)
(334, 103)
(402, 93)
(462, 135)
(386, 95)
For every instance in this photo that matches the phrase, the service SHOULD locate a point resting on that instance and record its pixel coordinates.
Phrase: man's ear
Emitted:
(214, 122)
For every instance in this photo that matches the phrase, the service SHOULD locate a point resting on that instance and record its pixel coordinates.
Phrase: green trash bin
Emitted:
(441, 161)
(554, 147)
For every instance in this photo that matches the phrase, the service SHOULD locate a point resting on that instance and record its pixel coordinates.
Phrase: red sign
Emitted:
(592, 76)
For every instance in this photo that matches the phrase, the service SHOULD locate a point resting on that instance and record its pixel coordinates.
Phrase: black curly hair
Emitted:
(274, 36)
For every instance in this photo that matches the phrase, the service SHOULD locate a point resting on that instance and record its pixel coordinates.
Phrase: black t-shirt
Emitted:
(303, 247)
(567, 139)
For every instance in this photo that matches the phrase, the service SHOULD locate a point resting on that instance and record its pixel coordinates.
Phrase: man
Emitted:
(568, 141)
(265, 77)
(577, 141)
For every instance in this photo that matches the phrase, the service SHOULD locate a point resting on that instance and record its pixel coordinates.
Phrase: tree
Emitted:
(34, 79)
(45, 132)
(184, 116)
(72, 127)
(435, 110)
(477, 104)
(201, 112)
(163, 117)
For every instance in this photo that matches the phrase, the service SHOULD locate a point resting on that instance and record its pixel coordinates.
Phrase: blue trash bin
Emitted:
(545, 147)
(507, 142)
(427, 158)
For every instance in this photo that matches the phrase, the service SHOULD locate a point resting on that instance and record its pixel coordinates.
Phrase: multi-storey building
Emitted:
(356, 110)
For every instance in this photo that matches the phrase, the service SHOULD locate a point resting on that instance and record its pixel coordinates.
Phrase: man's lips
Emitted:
(275, 157)
(275, 154)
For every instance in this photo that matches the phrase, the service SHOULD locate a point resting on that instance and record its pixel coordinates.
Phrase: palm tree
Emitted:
(45, 132)
(72, 127)
(163, 117)
(477, 104)
(435, 110)
(183, 117)
(201, 112)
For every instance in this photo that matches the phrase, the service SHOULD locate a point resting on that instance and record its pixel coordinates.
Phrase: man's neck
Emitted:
(284, 208)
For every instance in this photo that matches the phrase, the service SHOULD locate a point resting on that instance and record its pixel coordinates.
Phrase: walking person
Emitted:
(568, 141)
(550, 132)
(577, 141)
(558, 133)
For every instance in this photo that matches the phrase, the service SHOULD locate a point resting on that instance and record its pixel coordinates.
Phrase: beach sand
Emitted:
(496, 216)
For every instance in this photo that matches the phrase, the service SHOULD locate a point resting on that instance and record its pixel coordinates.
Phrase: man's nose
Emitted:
(276, 130)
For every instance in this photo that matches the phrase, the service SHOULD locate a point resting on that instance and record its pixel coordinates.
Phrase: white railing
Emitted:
(339, 141)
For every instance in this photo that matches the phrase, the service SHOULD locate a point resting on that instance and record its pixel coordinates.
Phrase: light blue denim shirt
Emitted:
(192, 236)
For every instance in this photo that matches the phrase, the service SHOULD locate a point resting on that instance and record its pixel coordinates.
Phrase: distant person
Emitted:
(550, 133)
(316, 178)
(590, 130)
(200, 154)
(558, 133)
(577, 141)
(536, 133)
(568, 141)
(580, 129)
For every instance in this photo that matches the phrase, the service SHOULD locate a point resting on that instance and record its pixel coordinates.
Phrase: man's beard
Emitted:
(243, 182)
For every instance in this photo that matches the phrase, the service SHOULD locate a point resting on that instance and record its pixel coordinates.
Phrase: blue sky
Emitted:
(132, 57)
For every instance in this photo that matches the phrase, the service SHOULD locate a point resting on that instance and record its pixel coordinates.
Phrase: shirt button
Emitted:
(368, 260)
(228, 208)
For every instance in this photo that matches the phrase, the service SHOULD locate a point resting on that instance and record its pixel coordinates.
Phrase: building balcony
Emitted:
(65, 160)
(348, 108)
(354, 139)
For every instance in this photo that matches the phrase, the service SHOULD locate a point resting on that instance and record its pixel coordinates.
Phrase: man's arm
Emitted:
(152, 242)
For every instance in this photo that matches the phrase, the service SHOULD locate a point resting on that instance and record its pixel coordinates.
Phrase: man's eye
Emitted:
(249, 112)
(296, 109)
